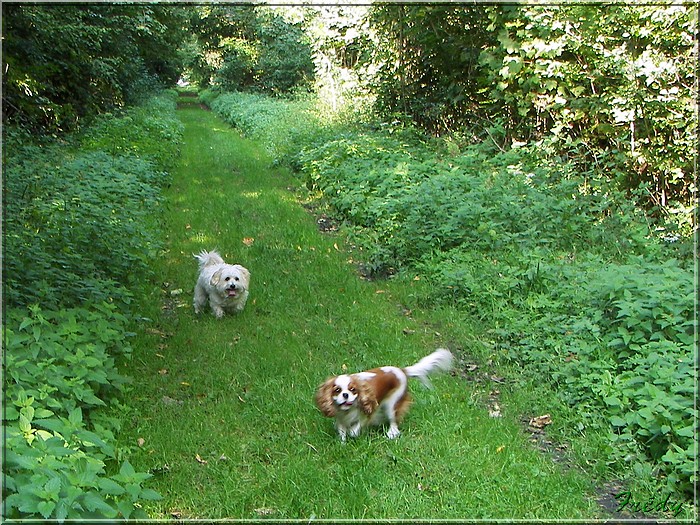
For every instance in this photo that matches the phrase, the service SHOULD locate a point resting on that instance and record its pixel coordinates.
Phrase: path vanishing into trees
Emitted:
(223, 410)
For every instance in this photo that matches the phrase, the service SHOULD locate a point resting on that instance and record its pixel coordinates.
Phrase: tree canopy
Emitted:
(611, 88)
(63, 63)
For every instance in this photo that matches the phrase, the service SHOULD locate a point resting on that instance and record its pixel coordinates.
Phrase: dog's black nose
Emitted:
(345, 395)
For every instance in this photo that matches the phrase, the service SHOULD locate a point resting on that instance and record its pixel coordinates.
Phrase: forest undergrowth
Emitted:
(81, 225)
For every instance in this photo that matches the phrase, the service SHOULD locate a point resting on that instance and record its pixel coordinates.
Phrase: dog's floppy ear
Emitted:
(244, 273)
(368, 401)
(216, 277)
(324, 398)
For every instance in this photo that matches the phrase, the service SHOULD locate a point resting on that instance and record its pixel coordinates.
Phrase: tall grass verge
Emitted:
(80, 226)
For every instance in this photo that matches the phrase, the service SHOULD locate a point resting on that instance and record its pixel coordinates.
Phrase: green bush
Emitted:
(282, 125)
(80, 226)
(614, 339)
(418, 203)
(635, 321)
(58, 449)
(150, 131)
(80, 229)
(76, 229)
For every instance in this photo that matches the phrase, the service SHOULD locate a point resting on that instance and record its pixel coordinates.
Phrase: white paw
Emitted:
(393, 432)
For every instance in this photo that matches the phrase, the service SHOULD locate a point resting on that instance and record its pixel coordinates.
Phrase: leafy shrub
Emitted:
(58, 366)
(80, 229)
(150, 131)
(642, 315)
(417, 203)
(76, 229)
(615, 340)
(283, 126)
(80, 226)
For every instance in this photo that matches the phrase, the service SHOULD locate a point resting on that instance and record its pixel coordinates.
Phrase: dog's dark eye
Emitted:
(353, 390)
(237, 279)
(336, 390)
(227, 279)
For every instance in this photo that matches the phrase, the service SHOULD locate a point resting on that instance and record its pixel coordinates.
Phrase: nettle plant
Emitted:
(80, 228)
(617, 340)
(149, 131)
(648, 327)
(77, 229)
(60, 458)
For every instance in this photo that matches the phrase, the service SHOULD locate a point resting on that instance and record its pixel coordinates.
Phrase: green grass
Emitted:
(227, 405)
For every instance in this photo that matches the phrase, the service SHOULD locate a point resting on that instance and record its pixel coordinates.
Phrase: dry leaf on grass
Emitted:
(541, 421)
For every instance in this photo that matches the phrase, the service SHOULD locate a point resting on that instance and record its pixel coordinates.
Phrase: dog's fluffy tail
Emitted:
(206, 258)
(438, 361)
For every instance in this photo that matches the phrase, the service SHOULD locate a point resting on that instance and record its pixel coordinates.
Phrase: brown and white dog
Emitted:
(376, 396)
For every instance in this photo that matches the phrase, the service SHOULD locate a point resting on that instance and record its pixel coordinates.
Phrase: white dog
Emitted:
(225, 286)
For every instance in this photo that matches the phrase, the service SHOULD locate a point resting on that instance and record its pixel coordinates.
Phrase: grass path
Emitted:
(223, 409)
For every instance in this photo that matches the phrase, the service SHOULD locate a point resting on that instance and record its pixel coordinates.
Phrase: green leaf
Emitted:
(125, 508)
(688, 431)
(613, 401)
(111, 487)
(42, 413)
(27, 412)
(53, 487)
(45, 508)
(151, 495)
(95, 503)
(127, 471)
(11, 413)
(75, 417)
(24, 424)
(617, 421)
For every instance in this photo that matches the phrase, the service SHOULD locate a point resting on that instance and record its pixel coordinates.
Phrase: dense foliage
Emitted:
(79, 229)
(552, 198)
(59, 368)
(76, 225)
(64, 63)
(581, 290)
(247, 49)
(612, 87)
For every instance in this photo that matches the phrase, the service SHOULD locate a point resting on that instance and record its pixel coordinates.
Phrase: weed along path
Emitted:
(223, 410)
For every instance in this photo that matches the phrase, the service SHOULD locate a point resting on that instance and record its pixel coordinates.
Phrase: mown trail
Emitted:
(223, 409)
